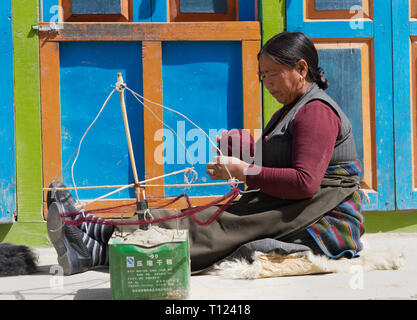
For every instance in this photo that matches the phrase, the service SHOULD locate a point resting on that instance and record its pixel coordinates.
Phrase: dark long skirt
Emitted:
(258, 216)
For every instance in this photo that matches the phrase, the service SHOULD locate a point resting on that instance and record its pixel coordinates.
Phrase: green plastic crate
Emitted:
(159, 271)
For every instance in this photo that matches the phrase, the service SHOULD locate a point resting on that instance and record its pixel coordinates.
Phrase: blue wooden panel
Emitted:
(343, 70)
(7, 150)
(96, 7)
(159, 11)
(384, 106)
(247, 10)
(406, 194)
(203, 6)
(413, 28)
(142, 10)
(337, 4)
(383, 198)
(50, 10)
(88, 70)
(203, 80)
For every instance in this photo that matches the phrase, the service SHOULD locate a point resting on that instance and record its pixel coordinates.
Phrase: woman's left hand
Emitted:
(217, 169)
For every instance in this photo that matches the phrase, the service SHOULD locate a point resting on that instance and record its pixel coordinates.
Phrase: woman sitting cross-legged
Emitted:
(304, 189)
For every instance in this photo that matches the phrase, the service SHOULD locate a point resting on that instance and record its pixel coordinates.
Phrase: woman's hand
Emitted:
(218, 140)
(236, 143)
(217, 169)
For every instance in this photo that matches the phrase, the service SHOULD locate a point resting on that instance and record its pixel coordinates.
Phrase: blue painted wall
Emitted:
(7, 150)
(142, 11)
(247, 10)
(159, 11)
(88, 70)
(403, 29)
(203, 80)
(50, 10)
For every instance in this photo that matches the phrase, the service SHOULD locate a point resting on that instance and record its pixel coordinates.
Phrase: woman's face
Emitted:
(283, 82)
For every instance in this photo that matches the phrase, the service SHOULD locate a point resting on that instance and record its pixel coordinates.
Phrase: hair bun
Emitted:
(320, 72)
(319, 78)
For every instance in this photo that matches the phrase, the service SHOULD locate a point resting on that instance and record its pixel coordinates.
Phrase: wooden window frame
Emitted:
(368, 103)
(151, 35)
(175, 14)
(311, 13)
(67, 16)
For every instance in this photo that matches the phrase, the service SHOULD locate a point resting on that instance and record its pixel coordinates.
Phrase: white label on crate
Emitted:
(130, 262)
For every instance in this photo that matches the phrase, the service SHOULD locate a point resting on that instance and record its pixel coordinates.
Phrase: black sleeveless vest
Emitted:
(277, 146)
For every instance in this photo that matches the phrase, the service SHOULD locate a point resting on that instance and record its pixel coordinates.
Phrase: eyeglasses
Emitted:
(263, 76)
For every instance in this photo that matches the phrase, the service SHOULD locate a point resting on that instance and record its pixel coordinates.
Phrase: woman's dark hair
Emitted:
(288, 48)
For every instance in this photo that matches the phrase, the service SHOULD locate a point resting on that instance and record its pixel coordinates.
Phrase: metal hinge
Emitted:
(48, 27)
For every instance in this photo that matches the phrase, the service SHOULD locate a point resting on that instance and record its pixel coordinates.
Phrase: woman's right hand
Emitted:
(218, 139)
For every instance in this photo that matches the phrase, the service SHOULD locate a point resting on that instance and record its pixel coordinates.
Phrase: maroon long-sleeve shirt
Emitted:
(315, 130)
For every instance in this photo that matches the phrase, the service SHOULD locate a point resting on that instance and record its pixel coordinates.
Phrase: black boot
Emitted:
(101, 233)
(73, 254)
(63, 196)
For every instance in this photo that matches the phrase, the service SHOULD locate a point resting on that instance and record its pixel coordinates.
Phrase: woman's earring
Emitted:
(303, 79)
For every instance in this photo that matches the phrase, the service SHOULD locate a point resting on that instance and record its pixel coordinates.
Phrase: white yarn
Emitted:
(189, 177)
(136, 95)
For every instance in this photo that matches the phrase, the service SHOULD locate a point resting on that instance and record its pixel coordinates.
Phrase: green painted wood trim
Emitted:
(27, 111)
(33, 234)
(390, 221)
(272, 15)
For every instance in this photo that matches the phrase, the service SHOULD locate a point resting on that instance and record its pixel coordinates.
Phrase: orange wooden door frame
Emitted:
(151, 35)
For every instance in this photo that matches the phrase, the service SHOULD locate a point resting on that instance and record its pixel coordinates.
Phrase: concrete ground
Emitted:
(95, 284)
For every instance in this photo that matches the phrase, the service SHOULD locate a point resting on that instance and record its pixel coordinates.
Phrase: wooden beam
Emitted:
(152, 90)
(175, 31)
(252, 106)
(50, 112)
